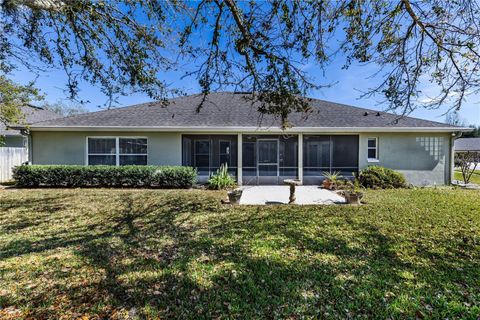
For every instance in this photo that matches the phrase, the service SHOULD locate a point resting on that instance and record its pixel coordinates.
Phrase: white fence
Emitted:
(9, 158)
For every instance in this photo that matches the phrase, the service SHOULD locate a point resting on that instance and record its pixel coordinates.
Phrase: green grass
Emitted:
(474, 179)
(181, 254)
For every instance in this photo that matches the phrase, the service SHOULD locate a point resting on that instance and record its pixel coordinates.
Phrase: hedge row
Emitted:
(104, 176)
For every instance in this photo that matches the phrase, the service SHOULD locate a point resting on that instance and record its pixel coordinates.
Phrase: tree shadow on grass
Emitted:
(250, 285)
(191, 258)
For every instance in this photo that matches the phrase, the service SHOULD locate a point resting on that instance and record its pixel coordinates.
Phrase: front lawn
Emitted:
(474, 179)
(181, 254)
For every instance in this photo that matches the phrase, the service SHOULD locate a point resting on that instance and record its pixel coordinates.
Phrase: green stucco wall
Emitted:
(424, 158)
(70, 147)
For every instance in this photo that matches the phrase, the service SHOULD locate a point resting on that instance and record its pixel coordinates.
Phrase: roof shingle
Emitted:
(235, 110)
(467, 144)
(32, 114)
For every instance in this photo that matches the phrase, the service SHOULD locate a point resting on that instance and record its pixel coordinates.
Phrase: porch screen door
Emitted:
(267, 161)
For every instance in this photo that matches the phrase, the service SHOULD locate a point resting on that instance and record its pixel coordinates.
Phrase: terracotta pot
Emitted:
(327, 184)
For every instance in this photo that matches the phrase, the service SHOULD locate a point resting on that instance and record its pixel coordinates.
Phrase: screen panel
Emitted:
(344, 151)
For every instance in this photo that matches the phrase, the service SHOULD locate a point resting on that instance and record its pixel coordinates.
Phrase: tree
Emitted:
(251, 46)
(65, 110)
(468, 162)
(12, 97)
(453, 118)
(472, 134)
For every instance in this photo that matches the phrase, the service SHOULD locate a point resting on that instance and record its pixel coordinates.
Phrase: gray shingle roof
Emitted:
(467, 144)
(233, 110)
(32, 114)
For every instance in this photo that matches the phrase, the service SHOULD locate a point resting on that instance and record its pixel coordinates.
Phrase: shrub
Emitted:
(104, 176)
(221, 180)
(377, 177)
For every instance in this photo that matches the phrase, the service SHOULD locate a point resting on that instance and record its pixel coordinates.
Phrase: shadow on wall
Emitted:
(417, 153)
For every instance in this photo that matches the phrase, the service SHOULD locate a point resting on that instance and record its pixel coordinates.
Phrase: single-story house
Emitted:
(229, 129)
(467, 145)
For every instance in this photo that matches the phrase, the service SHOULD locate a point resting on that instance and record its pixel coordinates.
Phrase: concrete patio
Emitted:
(258, 195)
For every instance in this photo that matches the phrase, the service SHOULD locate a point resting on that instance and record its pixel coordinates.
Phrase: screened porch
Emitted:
(270, 159)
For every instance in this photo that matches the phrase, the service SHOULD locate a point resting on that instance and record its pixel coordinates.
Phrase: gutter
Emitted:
(247, 129)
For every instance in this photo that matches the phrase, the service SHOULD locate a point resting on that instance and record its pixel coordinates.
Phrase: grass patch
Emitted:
(180, 254)
(474, 179)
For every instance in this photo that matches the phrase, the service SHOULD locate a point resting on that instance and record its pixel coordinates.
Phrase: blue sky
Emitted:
(349, 85)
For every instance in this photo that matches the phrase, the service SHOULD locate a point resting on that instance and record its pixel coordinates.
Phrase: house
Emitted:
(13, 138)
(13, 144)
(229, 129)
(467, 145)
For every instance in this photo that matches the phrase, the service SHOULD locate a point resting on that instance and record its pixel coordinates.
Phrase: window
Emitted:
(372, 149)
(116, 151)
(102, 151)
(133, 151)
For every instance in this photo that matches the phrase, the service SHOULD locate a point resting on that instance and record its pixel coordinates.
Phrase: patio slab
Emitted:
(259, 195)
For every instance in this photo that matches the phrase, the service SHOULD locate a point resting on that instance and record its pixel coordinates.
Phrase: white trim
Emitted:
(117, 148)
(300, 157)
(117, 151)
(239, 159)
(373, 160)
(250, 129)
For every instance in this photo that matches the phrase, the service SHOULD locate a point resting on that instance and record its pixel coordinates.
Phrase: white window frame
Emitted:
(117, 148)
(376, 159)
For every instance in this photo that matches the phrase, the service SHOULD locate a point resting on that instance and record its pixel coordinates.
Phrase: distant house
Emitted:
(467, 144)
(14, 144)
(228, 129)
(13, 138)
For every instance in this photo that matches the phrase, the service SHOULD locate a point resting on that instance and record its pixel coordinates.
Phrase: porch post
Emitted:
(300, 157)
(239, 159)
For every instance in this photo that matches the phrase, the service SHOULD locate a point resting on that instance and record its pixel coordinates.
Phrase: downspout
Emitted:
(455, 136)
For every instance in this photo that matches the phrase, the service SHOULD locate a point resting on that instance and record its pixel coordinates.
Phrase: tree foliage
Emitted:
(475, 133)
(12, 97)
(256, 46)
(65, 109)
(454, 119)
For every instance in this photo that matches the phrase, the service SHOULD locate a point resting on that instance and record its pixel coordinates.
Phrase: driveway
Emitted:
(279, 195)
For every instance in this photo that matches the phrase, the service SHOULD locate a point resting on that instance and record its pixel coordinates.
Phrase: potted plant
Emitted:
(331, 179)
(353, 193)
(234, 196)
(222, 180)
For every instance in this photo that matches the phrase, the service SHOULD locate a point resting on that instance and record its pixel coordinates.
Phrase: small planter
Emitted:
(353, 197)
(234, 196)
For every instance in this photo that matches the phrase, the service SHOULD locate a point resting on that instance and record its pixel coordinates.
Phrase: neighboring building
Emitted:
(14, 145)
(13, 138)
(229, 129)
(467, 144)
